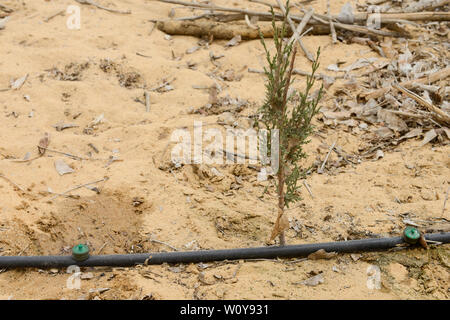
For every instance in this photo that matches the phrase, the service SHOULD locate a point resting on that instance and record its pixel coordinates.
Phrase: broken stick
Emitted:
(320, 170)
(302, 24)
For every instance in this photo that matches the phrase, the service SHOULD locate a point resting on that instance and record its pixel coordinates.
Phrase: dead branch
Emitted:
(220, 30)
(387, 17)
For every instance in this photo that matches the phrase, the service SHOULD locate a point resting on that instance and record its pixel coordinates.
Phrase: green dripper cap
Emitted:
(80, 252)
(411, 235)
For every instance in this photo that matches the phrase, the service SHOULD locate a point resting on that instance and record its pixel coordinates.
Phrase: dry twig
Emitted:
(164, 243)
(320, 170)
(147, 101)
(12, 182)
(302, 24)
(59, 13)
(92, 3)
(307, 188)
(333, 30)
(79, 187)
(445, 201)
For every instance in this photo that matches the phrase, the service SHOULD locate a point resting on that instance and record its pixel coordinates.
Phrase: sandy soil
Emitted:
(186, 207)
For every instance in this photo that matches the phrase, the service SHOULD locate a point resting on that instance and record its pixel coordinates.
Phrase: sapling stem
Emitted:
(291, 114)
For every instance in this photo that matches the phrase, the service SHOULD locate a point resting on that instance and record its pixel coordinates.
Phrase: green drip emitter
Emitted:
(411, 235)
(80, 252)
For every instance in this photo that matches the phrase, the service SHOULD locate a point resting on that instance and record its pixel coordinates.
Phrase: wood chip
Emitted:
(340, 115)
(3, 22)
(62, 168)
(391, 120)
(430, 135)
(18, 83)
(355, 257)
(147, 101)
(313, 281)
(62, 126)
(192, 50)
(234, 41)
(384, 132)
(43, 143)
(412, 134)
(379, 154)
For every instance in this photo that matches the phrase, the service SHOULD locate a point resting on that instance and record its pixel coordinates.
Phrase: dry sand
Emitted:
(183, 207)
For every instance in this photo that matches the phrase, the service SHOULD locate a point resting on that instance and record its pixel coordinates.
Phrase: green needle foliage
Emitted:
(291, 113)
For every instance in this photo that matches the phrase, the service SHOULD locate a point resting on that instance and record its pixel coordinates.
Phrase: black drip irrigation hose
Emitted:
(272, 252)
